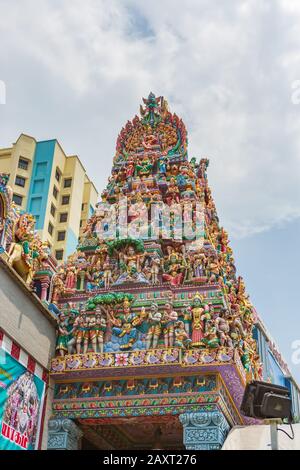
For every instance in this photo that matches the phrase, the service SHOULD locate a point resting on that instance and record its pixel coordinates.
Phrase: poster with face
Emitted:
(21, 401)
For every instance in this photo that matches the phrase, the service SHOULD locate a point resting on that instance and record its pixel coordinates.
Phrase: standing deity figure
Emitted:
(71, 278)
(169, 319)
(223, 329)
(107, 273)
(154, 319)
(100, 330)
(182, 339)
(187, 317)
(92, 334)
(198, 266)
(79, 332)
(154, 270)
(200, 314)
(87, 326)
(62, 336)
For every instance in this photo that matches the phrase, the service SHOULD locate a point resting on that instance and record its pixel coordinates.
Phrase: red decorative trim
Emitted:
(1, 337)
(15, 351)
(31, 364)
(45, 376)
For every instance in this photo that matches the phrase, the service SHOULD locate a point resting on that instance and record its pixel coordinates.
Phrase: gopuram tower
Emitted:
(154, 344)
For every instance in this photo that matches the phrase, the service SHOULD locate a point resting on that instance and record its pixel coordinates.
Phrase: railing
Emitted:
(145, 357)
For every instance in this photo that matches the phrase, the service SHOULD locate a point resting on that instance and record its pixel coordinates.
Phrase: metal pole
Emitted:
(274, 436)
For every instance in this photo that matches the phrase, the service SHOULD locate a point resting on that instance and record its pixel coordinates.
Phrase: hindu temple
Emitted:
(155, 339)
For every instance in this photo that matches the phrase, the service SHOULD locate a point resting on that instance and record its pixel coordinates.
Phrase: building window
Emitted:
(53, 210)
(23, 164)
(68, 183)
(80, 225)
(55, 192)
(57, 175)
(65, 200)
(50, 228)
(17, 199)
(61, 236)
(82, 206)
(63, 217)
(20, 181)
(59, 254)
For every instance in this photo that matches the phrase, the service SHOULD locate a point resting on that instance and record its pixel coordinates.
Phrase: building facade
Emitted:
(53, 187)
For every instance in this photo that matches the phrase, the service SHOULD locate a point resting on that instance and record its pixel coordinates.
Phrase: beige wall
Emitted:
(22, 320)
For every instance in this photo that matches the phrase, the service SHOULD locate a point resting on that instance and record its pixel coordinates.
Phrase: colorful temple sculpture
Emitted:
(154, 339)
(156, 336)
(21, 247)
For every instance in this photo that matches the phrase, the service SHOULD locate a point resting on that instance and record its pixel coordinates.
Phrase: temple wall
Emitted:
(27, 334)
(25, 320)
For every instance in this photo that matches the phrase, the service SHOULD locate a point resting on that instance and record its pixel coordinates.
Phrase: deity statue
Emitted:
(126, 324)
(172, 195)
(62, 335)
(154, 331)
(107, 273)
(187, 318)
(71, 277)
(100, 330)
(154, 269)
(210, 337)
(79, 331)
(182, 339)
(223, 329)
(144, 168)
(58, 287)
(131, 264)
(200, 314)
(174, 268)
(169, 319)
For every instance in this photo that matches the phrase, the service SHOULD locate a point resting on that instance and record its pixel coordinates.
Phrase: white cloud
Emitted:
(77, 71)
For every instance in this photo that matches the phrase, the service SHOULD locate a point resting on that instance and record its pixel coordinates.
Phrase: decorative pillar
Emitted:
(63, 434)
(204, 430)
(45, 283)
(82, 279)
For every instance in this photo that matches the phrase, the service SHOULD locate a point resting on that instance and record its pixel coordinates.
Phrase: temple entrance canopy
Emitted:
(155, 332)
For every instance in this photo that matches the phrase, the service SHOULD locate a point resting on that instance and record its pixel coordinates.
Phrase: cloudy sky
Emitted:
(76, 71)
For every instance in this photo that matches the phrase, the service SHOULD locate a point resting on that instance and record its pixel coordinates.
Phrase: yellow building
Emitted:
(50, 185)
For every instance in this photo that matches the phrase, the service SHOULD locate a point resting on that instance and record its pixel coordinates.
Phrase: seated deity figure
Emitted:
(182, 339)
(131, 265)
(174, 268)
(154, 331)
(125, 325)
